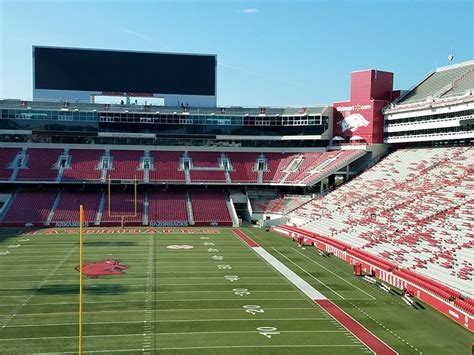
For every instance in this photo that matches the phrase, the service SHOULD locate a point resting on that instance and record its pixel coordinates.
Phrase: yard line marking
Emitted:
(27, 298)
(170, 333)
(162, 310)
(162, 300)
(174, 321)
(307, 273)
(371, 341)
(165, 284)
(215, 347)
(198, 291)
(147, 331)
(299, 252)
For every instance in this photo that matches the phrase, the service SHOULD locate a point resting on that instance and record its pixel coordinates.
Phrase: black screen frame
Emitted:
(95, 70)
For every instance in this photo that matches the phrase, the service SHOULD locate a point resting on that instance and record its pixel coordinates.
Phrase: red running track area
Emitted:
(366, 337)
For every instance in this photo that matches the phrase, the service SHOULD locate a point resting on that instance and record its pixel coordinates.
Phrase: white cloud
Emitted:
(138, 34)
(249, 11)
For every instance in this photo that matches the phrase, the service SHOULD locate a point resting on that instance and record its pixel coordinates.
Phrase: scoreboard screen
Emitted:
(124, 71)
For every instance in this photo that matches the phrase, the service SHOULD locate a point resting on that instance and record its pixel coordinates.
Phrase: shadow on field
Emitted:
(13, 232)
(420, 305)
(106, 289)
(109, 244)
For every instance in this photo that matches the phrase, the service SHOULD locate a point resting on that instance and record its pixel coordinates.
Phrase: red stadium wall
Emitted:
(382, 270)
(362, 116)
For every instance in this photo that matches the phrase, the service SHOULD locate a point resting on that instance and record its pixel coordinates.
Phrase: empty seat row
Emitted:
(35, 164)
(413, 209)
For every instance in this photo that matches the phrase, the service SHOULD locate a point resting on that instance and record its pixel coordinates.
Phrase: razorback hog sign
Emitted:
(360, 120)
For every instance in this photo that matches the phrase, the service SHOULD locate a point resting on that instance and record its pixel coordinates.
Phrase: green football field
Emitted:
(218, 297)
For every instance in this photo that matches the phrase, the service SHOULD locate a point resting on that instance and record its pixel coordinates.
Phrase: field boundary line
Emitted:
(314, 261)
(307, 273)
(374, 343)
(370, 340)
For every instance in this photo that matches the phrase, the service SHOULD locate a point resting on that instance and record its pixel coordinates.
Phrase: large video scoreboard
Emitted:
(79, 74)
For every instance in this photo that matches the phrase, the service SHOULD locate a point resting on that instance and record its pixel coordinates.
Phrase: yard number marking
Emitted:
(217, 257)
(180, 247)
(231, 278)
(241, 291)
(268, 331)
(224, 267)
(253, 309)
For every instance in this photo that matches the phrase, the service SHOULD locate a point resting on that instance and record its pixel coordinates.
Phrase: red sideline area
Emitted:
(246, 239)
(370, 340)
(366, 337)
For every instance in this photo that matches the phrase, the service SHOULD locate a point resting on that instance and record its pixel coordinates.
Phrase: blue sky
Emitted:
(273, 53)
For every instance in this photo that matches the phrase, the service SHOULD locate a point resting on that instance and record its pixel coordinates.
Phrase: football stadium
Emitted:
(139, 216)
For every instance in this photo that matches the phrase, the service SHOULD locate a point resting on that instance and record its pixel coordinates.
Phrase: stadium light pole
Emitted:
(81, 223)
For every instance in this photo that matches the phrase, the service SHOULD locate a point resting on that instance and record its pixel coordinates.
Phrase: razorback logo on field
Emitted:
(104, 267)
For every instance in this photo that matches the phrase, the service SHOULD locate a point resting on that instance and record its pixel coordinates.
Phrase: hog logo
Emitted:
(354, 122)
(104, 267)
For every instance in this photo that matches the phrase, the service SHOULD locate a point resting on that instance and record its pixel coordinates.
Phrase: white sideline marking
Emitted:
(384, 327)
(313, 277)
(372, 297)
(301, 284)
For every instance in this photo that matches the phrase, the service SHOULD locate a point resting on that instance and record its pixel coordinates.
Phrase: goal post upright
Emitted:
(122, 217)
(81, 224)
(109, 194)
(135, 183)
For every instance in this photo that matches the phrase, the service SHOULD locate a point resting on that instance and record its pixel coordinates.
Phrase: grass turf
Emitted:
(179, 301)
